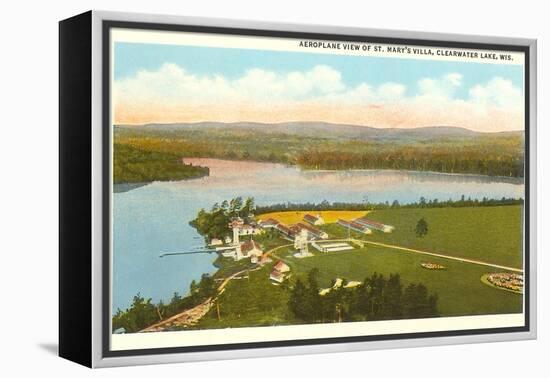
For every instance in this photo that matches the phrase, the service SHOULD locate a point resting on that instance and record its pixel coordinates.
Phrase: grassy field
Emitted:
(490, 234)
(250, 302)
(330, 216)
(459, 288)
(484, 233)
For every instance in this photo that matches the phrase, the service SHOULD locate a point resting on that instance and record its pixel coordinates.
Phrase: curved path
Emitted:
(193, 315)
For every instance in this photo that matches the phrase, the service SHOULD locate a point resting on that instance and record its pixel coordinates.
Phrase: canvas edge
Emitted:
(98, 360)
(74, 250)
(533, 182)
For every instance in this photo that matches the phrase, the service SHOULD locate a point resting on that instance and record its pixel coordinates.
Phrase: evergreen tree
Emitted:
(313, 297)
(297, 302)
(391, 298)
(417, 303)
(421, 228)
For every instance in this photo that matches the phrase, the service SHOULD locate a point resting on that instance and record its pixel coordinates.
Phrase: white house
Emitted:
(237, 224)
(278, 272)
(247, 229)
(251, 248)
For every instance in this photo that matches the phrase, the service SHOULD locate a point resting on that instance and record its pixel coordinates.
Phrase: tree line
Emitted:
(143, 313)
(491, 155)
(421, 203)
(434, 160)
(377, 298)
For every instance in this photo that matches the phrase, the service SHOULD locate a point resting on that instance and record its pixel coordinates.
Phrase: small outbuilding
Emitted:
(281, 267)
(277, 276)
(216, 241)
(278, 273)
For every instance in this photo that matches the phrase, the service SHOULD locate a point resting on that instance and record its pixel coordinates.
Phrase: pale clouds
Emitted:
(444, 87)
(173, 83)
(499, 92)
(172, 94)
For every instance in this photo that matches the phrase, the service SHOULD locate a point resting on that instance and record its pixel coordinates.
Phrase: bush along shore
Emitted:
(143, 312)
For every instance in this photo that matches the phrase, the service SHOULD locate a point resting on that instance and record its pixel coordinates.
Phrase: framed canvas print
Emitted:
(233, 189)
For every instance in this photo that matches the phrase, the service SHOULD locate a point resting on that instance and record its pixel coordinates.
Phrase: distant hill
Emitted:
(321, 130)
(318, 145)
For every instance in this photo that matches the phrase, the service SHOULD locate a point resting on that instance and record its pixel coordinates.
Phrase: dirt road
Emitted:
(192, 315)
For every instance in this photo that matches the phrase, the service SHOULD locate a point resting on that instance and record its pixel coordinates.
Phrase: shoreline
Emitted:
(137, 185)
(515, 180)
(473, 175)
(305, 169)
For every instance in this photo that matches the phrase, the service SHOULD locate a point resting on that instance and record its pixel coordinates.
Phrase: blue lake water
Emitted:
(154, 218)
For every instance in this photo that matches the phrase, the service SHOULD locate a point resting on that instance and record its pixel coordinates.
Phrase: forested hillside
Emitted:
(452, 150)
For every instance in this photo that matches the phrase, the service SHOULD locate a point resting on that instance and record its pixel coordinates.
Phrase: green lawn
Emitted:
(491, 234)
(459, 288)
(250, 302)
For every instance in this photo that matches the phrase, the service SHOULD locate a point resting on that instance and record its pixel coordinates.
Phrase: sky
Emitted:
(156, 83)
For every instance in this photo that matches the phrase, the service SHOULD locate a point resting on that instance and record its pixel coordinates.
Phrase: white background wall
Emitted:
(28, 137)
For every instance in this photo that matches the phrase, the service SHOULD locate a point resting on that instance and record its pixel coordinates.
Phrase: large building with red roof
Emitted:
(354, 226)
(313, 233)
(315, 220)
(375, 225)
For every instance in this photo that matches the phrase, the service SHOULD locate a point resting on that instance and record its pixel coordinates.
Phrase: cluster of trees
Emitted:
(311, 206)
(213, 223)
(377, 298)
(421, 203)
(134, 165)
(143, 313)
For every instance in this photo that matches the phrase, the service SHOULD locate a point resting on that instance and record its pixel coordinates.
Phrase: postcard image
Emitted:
(281, 188)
